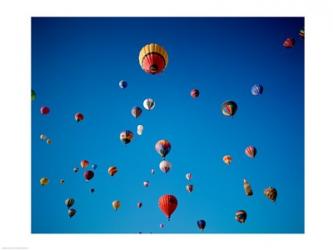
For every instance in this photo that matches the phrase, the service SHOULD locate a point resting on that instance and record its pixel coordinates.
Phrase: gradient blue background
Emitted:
(76, 66)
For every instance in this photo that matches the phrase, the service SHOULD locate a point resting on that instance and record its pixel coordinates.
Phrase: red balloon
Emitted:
(195, 93)
(44, 110)
(88, 175)
(168, 204)
(78, 117)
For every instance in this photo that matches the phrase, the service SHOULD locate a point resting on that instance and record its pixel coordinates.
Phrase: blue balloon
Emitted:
(94, 166)
(123, 84)
(257, 89)
(201, 224)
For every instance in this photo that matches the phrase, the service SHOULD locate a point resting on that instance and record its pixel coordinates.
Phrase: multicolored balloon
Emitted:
(289, 43)
(88, 175)
(251, 151)
(126, 136)
(189, 188)
(116, 204)
(201, 224)
(153, 58)
(165, 166)
(247, 188)
(195, 93)
(149, 104)
(229, 108)
(44, 110)
(168, 204)
(136, 111)
(112, 170)
(78, 117)
(241, 216)
(69, 202)
(163, 147)
(188, 176)
(257, 89)
(227, 159)
(84, 163)
(271, 193)
(123, 84)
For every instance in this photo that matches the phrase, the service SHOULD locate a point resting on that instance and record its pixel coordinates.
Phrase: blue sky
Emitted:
(76, 66)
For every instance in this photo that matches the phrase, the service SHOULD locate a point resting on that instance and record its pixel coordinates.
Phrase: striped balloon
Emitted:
(112, 170)
(251, 151)
(271, 193)
(168, 204)
(257, 89)
(229, 108)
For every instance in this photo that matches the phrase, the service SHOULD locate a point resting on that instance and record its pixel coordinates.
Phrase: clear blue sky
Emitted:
(76, 66)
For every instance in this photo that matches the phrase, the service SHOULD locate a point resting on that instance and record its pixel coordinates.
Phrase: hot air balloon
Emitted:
(289, 43)
(44, 181)
(126, 136)
(33, 95)
(62, 181)
(78, 117)
(44, 110)
(112, 170)
(88, 175)
(149, 104)
(71, 212)
(247, 188)
(229, 108)
(146, 183)
(153, 58)
(188, 176)
(92, 190)
(139, 129)
(136, 112)
(43, 137)
(257, 89)
(240, 216)
(75, 170)
(84, 163)
(139, 205)
(301, 33)
(69, 202)
(168, 204)
(165, 166)
(123, 84)
(227, 159)
(163, 147)
(251, 151)
(195, 93)
(48, 141)
(152, 171)
(201, 224)
(116, 204)
(271, 193)
(161, 225)
(189, 188)
(94, 166)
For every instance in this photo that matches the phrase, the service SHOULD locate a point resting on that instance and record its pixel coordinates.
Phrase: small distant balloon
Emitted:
(116, 204)
(251, 151)
(152, 171)
(146, 183)
(43, 137)
(126, 136)
(78, 117)
(271, 193)
(301, 33)
(94, 166)
(188, 176)
(33, 95)
(165, 166)
(163, 147)
(229, 108)
(139, 204)
(69, 202)
(227, 159)
(195, 93)
(71, 212)
(136, 112)
(48, 141)
(139, 129)
(44, 110)
(88, 175)
(149, 104)
(44, 181)
(123, 84)
(75, 170)
(241, 216)
(62, 181)
(257, 89)
(289, 43)
(201, 224)
(189, 188)
(161, 225)
(84, 163)
(92, 190)
(247, 188)
(112, 170)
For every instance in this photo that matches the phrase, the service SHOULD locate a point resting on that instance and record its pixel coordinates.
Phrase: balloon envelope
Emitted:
(44, 110)
(71, 212)
(139, 129)
(149, 104)
(271, 193)
(123, 84)
(195, 93)
(126, 136)
(69, 202)
(78, 117)
(229, 108)
(240, 216)
(163, 147)
(188, 176)
(257, 89)
(165, 166)
(84, 163)
(88, 175)
(44, 181)
(153, 58)
(201, 224)
(112, 170)
(116, 204)
(168, 204)
(251, 151)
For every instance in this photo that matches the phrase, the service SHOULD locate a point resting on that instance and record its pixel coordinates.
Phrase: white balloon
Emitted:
(165, 166)
(139, 129)
(188, 176)
(149, 104)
